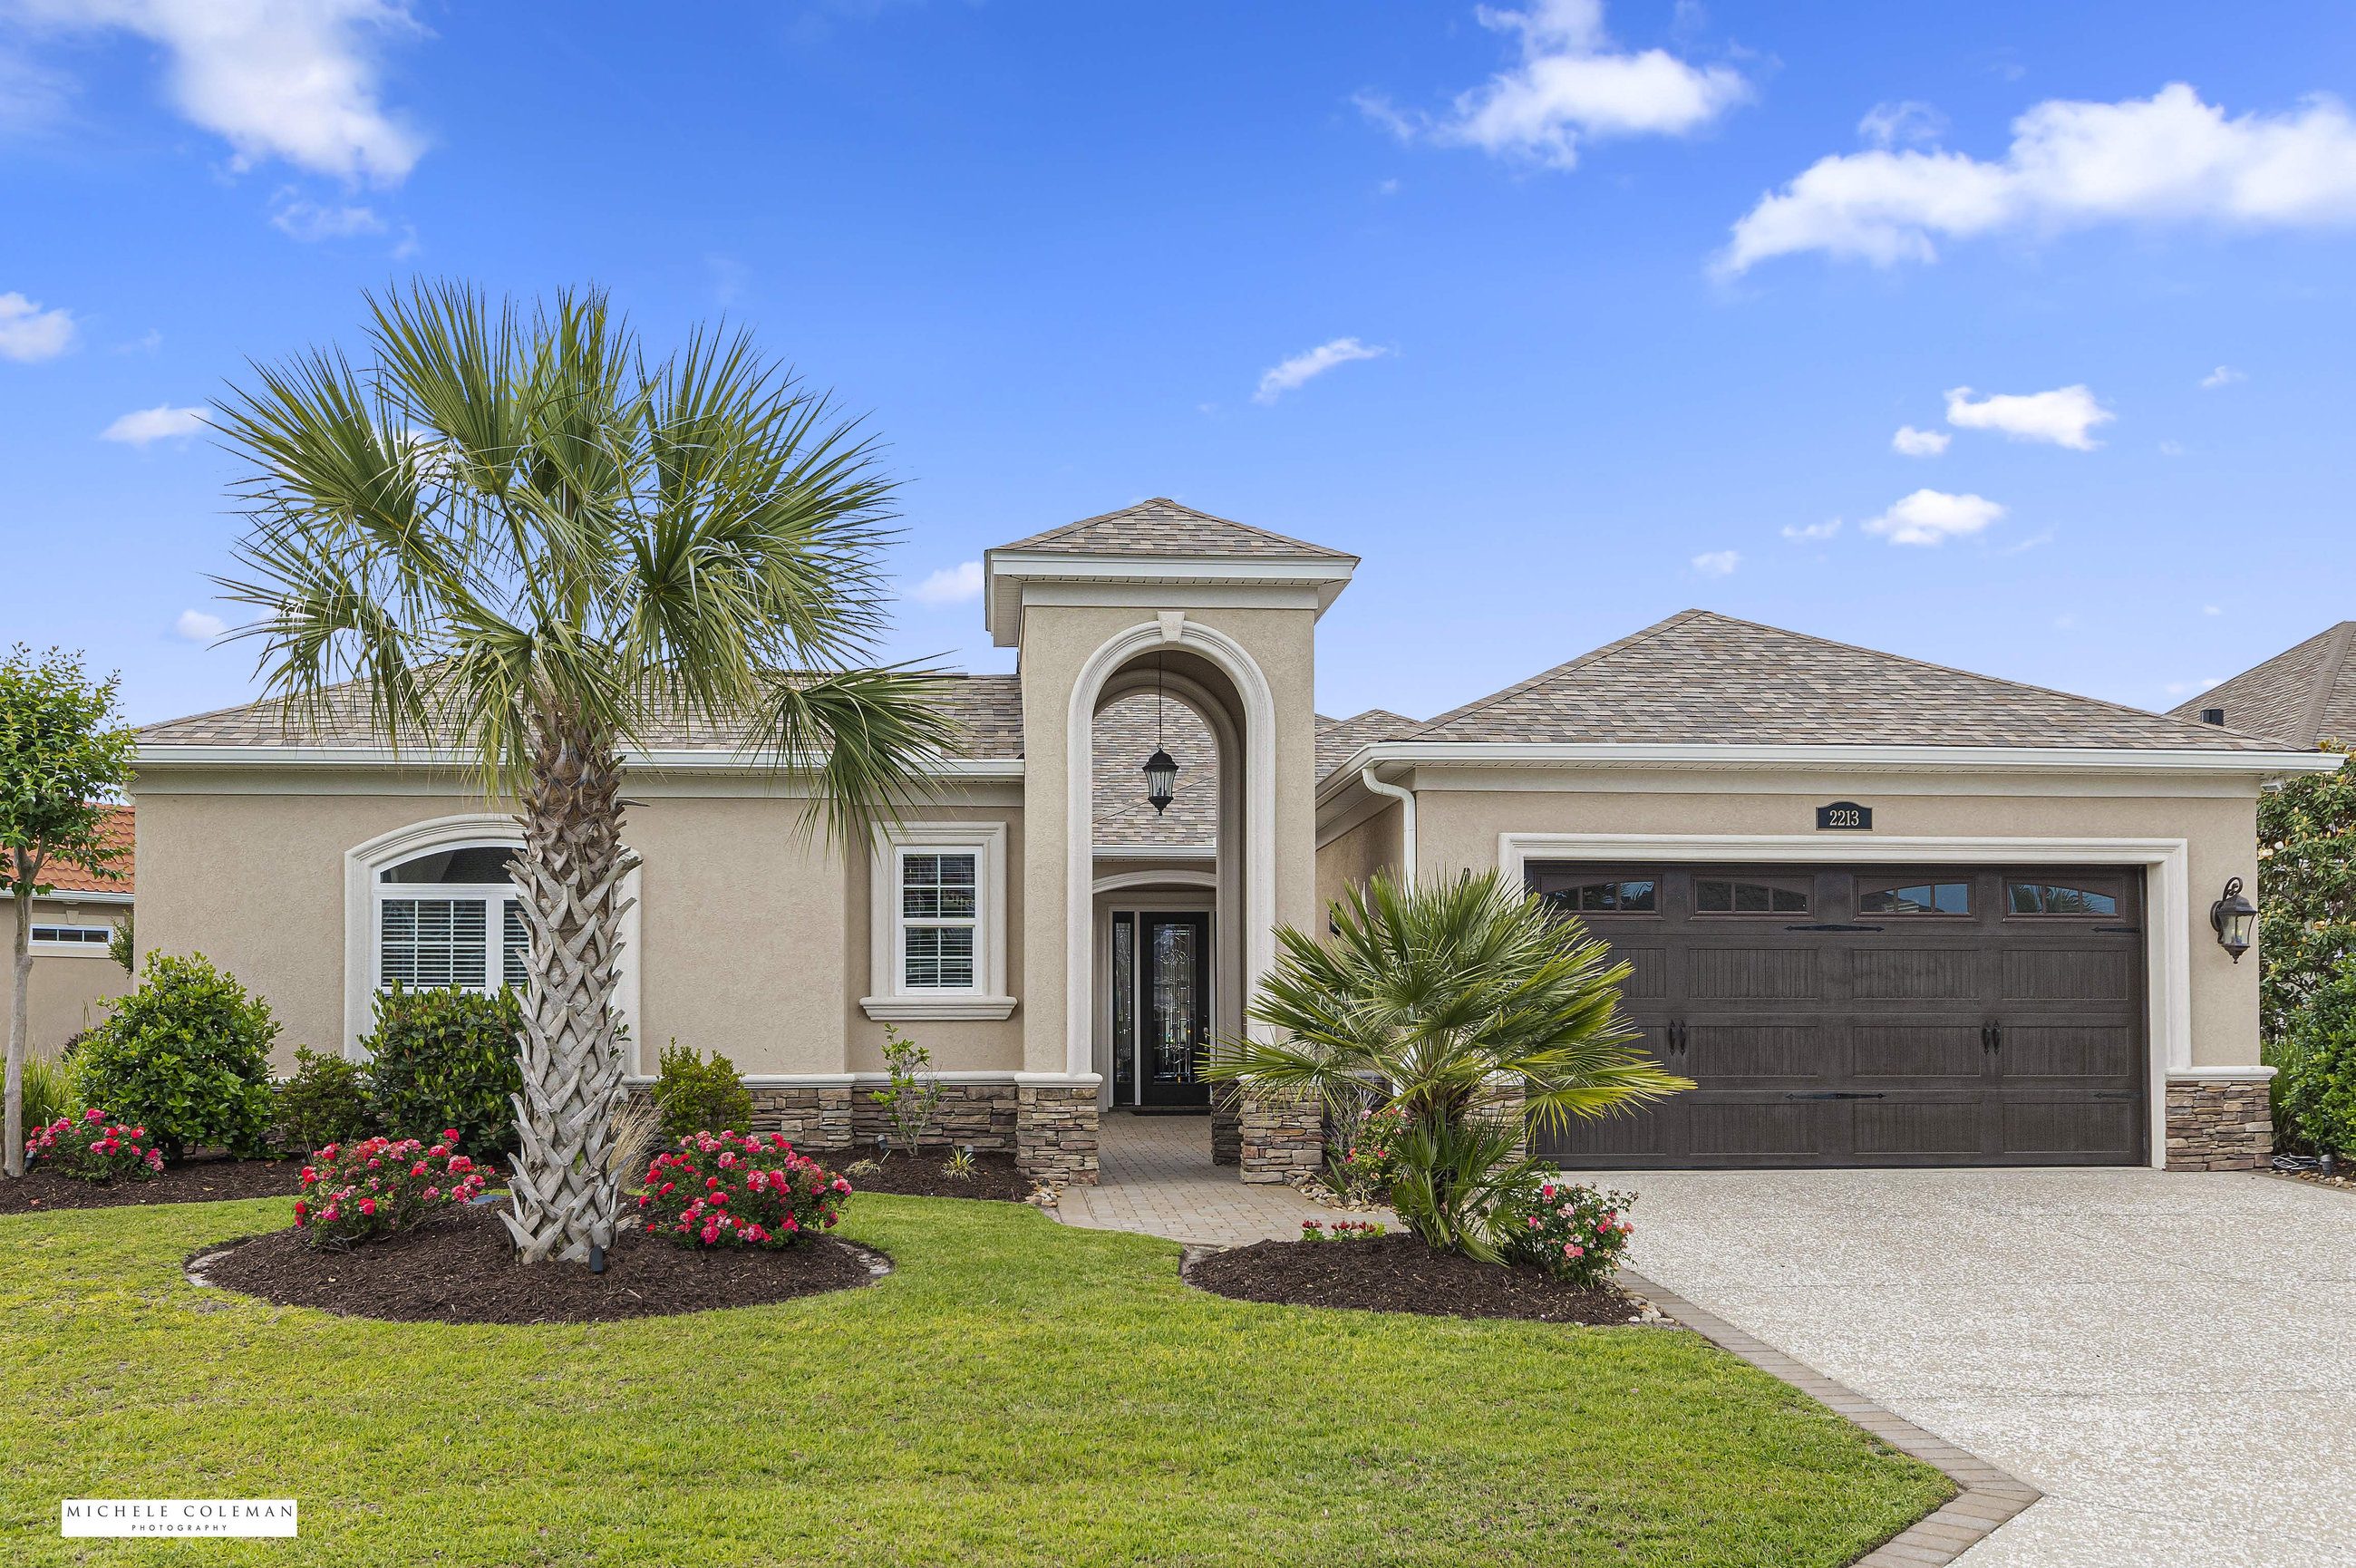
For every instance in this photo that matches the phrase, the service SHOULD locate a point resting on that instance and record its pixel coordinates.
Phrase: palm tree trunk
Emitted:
(569, 874)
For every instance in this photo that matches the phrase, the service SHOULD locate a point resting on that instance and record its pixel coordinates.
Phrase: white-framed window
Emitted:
(937, 935)
(449, 917)
(87, 939)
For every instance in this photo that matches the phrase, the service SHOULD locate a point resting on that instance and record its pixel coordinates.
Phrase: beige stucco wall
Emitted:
(753, 937)
(1358, 854)
(1058, 641)
(68, 988)
(1461, 827)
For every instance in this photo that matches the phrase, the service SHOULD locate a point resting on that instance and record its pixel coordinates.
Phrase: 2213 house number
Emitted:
(1845, 815)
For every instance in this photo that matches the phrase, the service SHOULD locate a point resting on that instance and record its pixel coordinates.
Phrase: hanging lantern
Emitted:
(1161, 780)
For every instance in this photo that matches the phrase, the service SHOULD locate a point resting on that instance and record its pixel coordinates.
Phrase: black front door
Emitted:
(1160, 1007)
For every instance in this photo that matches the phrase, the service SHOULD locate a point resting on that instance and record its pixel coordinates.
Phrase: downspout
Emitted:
(1406, 797)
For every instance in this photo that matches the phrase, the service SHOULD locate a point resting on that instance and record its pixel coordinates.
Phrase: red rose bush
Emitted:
(1572, 1231)
(357, 1192)
(739, 1189)
(88, 1147)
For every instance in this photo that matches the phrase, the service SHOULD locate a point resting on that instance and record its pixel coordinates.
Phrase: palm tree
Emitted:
(521, 540)
(1471, 1007)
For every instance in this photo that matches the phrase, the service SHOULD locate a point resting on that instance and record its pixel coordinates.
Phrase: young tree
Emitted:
(521, 539)
(62, 755)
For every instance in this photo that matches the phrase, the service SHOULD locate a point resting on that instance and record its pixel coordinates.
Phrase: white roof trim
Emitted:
(1834, 759)
(715, 761)
(1008, 569)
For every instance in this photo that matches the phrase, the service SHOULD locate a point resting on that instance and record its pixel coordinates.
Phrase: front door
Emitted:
(1161, 1005)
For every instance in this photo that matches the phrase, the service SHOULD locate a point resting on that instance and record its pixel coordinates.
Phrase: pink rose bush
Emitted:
(1341, 1230)
(356, 1193)
(88, 1147)
(1573, 1232)
(739, 1189)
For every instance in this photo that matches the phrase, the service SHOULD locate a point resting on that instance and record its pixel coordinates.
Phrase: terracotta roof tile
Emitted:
(2301, 697)
(119, 831)
(1162, 526)
(1699, 678)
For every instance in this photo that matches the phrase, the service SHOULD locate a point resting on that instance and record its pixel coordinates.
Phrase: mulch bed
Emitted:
(1399, 1274)
(198, 1179)
(925, 1174)
(462, 1270)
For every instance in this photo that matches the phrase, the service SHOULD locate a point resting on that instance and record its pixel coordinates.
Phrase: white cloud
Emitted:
(308, 221)
(2061, 416)
(1887, 124)
(1572, 84)
(2210, 610)
(1718, 562)
(1934, 517)
(287, 79)
(195, 626)
(2167, 158)
(950, 585)
(28, 332)
(2171, 449)
(2191, 687)
(1812, 530)
(1297, 370)
(159, 423)
(2222, 376)
(1915, 443)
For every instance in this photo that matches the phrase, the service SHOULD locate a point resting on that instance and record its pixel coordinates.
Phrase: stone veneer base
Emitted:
(1283, 1135)
(1055, 1135)
(2219, 1124)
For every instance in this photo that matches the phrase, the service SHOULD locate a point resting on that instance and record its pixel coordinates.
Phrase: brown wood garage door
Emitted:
(1872, 1016)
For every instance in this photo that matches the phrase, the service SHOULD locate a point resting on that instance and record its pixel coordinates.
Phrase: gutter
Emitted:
(1406, 797)
(715, 761)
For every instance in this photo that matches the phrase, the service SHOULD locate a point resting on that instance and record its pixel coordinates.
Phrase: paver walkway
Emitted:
(2170, 1356)
(1156, 1176)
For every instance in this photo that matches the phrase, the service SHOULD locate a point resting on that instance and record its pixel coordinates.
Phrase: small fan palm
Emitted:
(515, 537)
(1450, 1000)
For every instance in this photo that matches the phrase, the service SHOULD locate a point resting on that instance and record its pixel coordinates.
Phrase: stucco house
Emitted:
(1883, 912)
(73, 926)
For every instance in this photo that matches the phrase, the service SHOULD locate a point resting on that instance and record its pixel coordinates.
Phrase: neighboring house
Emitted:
(2303, 695)
(1882, 912)
(71, 927)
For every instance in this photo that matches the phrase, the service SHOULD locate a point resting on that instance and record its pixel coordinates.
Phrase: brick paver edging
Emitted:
(1990, 1496)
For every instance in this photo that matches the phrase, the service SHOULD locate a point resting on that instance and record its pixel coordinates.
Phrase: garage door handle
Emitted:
(2128, 930)
(1991, 1037)
(1836, 1094)
(2114, 1094)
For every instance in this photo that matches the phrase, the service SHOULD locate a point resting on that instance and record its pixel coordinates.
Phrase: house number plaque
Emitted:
(1843, 816)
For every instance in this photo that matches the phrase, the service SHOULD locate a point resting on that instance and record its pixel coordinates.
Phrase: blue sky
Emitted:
(1620, 309)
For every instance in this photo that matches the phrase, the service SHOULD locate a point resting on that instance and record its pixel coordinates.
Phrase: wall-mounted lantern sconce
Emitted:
(2233, 915)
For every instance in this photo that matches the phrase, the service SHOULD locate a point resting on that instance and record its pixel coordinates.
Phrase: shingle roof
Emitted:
(1705, 679)
(1125, 737)
(2301, 697)
(117, 831)
(989, 707)
(1162, 527)
(1337, 738)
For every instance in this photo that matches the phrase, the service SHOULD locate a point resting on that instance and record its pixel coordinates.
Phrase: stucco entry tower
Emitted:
(1098, 610)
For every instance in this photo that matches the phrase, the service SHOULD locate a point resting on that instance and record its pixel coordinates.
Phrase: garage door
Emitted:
(1886, 1016)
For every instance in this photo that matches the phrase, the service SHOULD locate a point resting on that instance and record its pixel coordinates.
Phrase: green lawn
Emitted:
(1016, 1392)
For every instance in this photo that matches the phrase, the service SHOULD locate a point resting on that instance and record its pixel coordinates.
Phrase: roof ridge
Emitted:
(1253, 529)
(1593, 656)
(2326, 683)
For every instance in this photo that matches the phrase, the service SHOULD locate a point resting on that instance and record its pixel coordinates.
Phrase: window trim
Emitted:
(35, 943)
(364, 862)
(495, 898)
(889, 999)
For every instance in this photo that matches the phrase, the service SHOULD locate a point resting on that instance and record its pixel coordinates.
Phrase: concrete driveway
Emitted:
(2169, 1358)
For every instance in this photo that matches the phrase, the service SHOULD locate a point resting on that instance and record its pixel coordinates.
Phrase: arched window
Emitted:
(449, 917)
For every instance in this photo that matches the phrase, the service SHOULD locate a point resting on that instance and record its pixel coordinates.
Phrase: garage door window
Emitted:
(1915, 898)
(2059, 897)
(1724, 896)
(1607, 897)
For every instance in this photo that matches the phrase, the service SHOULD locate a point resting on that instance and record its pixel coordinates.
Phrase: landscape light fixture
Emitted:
(2233, 915)
(1160, 771)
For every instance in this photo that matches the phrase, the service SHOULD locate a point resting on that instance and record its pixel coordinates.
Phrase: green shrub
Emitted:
(447, 1059)
(700, 1096)
(49, 1092)
(2320, 1064)
(186, 1055)
(325, 1102)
